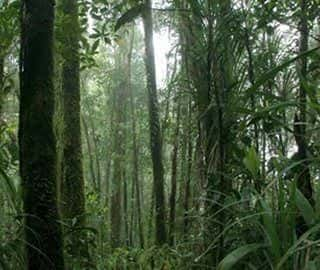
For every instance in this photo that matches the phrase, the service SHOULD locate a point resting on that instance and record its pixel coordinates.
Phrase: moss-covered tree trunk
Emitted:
(154, 126)
(44, 249)
(73, 196)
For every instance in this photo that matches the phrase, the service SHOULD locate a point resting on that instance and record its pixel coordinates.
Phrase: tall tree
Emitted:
(209, 67)
(120, 97)
(73, 196)
(187, 192)
(136, 179)
(300, 120)
(174, 165)
(154, 126)
(37, 140)
(300, 123)
(136, 193)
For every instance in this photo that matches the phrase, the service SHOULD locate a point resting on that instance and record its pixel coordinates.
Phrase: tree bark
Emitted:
(172, 216)
(136, 180)
(90, 153)
(300, 121)
(96, 154)
(304, 178)
(116, 204)
(73, 185)
(154, 126)
(187, 192)
(38, 153)
(118, 180)
(73, 194)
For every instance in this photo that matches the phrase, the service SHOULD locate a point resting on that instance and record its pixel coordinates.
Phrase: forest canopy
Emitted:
(159, 134)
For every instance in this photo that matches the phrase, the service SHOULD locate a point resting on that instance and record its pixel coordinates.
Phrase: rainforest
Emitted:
(159, 134)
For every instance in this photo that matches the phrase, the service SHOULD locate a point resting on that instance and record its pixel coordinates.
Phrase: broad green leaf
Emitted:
(252, 162)
(235, 256)
(270, 228)
(305, 208)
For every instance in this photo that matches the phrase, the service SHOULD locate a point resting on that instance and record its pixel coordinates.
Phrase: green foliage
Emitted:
(151, 258)
(235, 256)
(274, 71)
(305, 208)
(234, 72)
(11, 236)
(9, 25)
(252, 162)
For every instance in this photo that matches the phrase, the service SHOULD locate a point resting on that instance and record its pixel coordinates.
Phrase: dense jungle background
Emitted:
(164, 134)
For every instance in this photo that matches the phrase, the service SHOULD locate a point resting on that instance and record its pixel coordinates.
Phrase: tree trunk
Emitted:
(116, 204)
(90, 153)
(73, 194)
(73, 185)
(172, 216)
(97, 160)
(38, 153)
(300, 120)
(118, 165)
(154, 126)
(125, 209)
(304, 178)
(187, 192)
(136, 180)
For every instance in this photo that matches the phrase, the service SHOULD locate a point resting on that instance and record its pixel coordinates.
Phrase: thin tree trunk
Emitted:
(300, 121)
(91, 159)
(132, 214)
(172, 216)
(125, 210)
(107, 180)
(151, 214)
(38, 152)
(154, 126)
(188, 181)
(109, 158)
(117, 179)
(117, 194)
(136, 180)
(97, 160)
(304, 179)
(252, 81)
